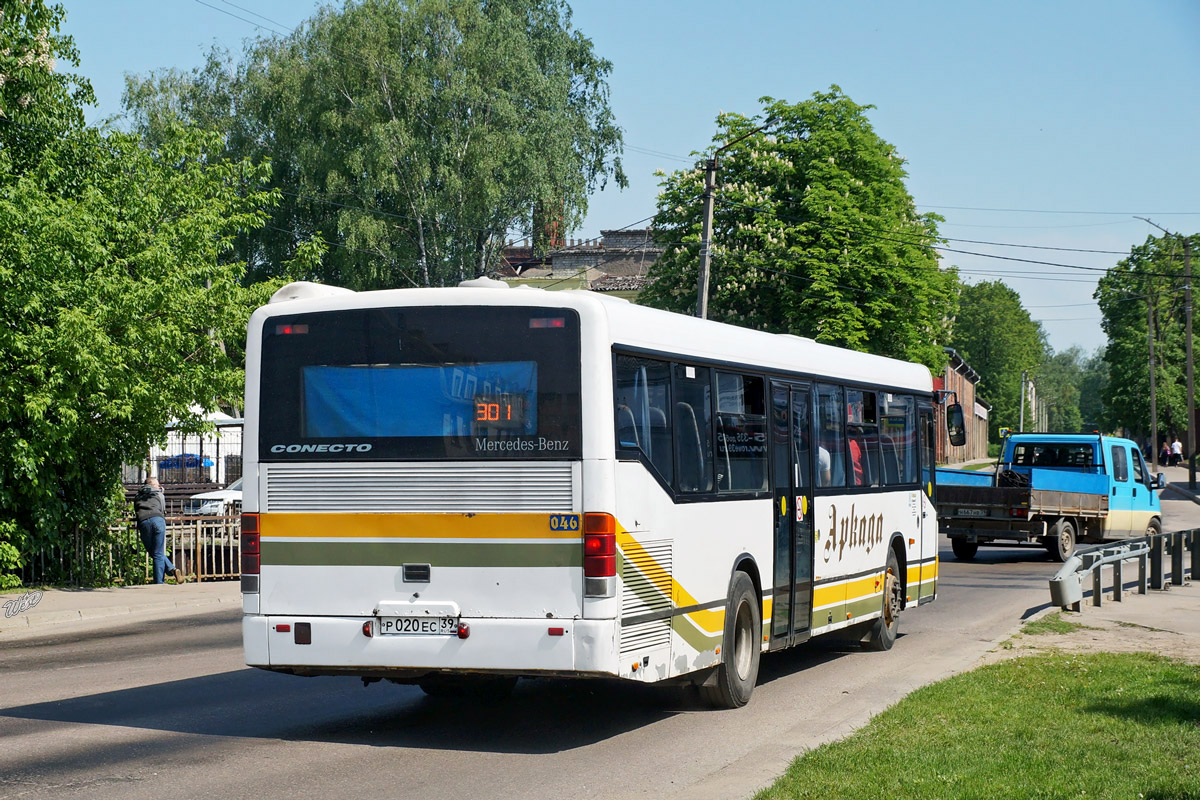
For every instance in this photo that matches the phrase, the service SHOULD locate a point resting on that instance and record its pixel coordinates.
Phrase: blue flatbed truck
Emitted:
(1052, 489)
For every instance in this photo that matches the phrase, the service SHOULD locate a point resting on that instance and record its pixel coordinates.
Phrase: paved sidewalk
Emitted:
(65, 610)
(1177, 483)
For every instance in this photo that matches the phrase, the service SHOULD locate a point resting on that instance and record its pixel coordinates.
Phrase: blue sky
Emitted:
(1046, 124)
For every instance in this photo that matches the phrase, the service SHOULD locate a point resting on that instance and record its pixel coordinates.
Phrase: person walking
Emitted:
(150, 505)
(1176, 453)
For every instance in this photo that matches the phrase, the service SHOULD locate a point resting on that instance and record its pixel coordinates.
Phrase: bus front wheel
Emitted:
(740, 648)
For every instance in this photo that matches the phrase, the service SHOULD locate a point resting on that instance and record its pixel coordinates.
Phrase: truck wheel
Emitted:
(883, 630)
(1062, 540)
(964, 549)
(741, 648)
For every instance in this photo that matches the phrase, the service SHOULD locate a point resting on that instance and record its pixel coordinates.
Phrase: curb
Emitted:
(50, 621)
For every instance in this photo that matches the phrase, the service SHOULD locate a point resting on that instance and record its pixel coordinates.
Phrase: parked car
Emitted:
(221, 502)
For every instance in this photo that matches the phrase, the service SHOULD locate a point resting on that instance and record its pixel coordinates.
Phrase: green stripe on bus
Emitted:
(438, 554)
(697, 639)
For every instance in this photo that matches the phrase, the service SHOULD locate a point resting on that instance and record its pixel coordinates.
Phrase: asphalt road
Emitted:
(168, 709)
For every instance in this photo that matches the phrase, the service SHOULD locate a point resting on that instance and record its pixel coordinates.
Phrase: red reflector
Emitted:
(599, 566)
(284, 330)
(283, 628)
(250, 564)
(249, 524)
(250, 543)
(555, 631)
(548, 322)
(464, 630)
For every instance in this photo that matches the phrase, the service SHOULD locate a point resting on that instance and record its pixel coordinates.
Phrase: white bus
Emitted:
(459, 487)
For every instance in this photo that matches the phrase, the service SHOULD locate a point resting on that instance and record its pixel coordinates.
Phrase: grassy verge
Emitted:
(1097, 725)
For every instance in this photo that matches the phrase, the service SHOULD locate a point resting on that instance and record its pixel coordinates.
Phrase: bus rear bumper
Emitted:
(338, 646)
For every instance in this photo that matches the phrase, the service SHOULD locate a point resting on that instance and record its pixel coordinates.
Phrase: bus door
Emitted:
(928, 518)
(791, 455)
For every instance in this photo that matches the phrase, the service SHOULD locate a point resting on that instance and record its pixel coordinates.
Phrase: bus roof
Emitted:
(638, 327)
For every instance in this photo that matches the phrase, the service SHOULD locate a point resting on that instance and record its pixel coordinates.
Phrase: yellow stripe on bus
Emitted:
(412, 526)
(849, 591)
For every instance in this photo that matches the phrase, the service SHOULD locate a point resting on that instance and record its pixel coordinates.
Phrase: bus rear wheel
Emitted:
(741, 648)
(883, 630)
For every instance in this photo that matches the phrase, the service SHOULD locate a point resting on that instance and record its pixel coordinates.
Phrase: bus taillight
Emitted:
(599, 555)
(250, 544)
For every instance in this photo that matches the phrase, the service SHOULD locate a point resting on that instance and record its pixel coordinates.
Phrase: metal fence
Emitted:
(204, 548)
(1162, 560)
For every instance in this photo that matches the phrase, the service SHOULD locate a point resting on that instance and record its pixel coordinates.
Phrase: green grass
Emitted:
(976, 467)
(1053, 623)
(1048, 726)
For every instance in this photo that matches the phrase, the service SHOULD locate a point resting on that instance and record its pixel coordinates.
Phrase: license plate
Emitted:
(417, 626)
(972, 512)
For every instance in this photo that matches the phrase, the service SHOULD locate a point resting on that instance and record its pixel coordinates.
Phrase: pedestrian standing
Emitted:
(1176, 453)
(150, 505)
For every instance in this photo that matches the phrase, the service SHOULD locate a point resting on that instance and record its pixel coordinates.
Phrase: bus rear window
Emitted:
(421, 383)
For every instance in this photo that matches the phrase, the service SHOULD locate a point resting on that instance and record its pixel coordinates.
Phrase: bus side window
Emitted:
(643, 393)
(831, 439)
(693, 428)
(741, 433)
(898, 436)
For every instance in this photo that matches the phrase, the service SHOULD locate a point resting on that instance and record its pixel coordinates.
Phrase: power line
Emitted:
(1060, 211)
(866, 232)
(948, 238)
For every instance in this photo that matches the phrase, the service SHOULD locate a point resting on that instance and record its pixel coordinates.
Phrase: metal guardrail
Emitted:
(1152, 554)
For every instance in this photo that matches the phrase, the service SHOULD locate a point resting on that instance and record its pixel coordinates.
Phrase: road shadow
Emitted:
(542, 716)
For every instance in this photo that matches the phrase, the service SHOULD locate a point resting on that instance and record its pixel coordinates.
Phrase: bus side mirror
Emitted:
(955, 427)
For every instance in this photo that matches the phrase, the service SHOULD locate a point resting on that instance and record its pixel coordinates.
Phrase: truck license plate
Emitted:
(417, 626)
(972, 512)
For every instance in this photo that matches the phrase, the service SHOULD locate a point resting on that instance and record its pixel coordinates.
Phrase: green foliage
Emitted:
(449, 119)
(115, 300)
(996, 336)
(1151, 274)
(38, 102)
(814, 233)
(1102, 725)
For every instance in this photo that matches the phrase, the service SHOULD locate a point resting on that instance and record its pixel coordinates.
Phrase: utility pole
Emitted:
(710, 189)
(1021, 425)
(1153, 396)
(1191, 376)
